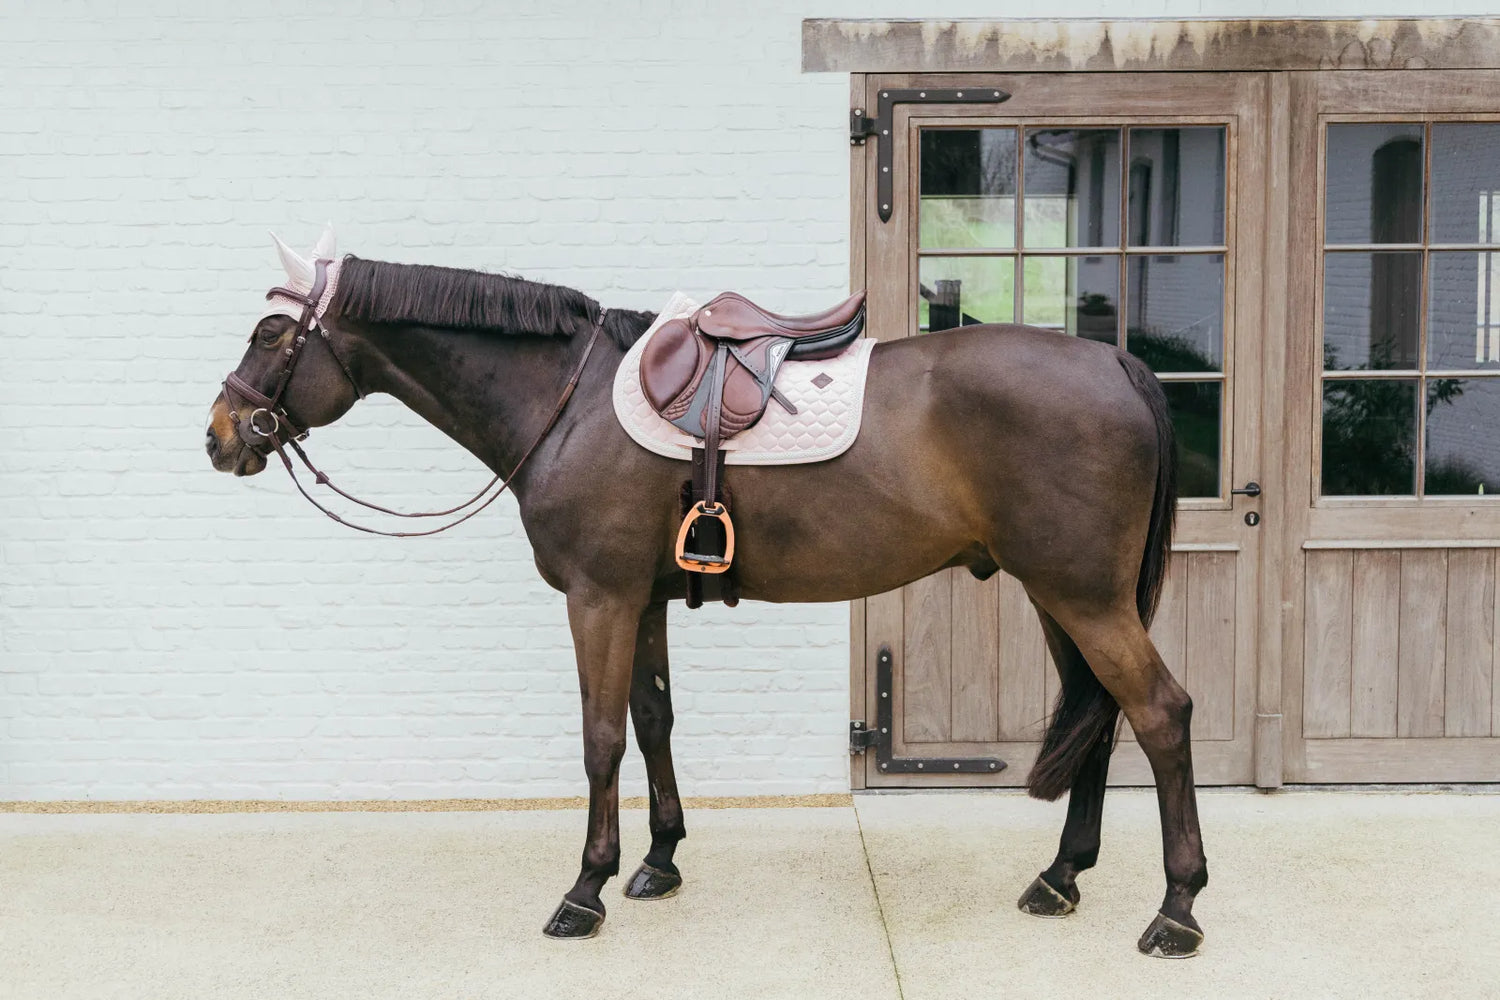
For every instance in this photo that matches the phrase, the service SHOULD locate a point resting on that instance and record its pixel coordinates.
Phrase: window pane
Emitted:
(1075, 295)
(1175, 311)
(962, 291)
(1463, 436)
(1177, 187)
(1370, 309)
(1072, 180)
(1374, 178)
(968, 188)
(1466, 183)
(1196, 407)
(1369, 437)
(1463, 310)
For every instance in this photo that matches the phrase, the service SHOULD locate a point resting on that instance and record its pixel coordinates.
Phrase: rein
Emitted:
(275, 410)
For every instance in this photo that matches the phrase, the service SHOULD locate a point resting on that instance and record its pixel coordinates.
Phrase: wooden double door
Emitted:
(1296, 257)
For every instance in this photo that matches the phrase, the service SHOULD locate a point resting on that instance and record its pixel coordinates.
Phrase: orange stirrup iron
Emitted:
(696, 562)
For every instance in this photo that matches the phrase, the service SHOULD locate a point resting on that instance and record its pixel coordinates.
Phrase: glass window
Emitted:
(1463, 420)
(1371, 304)
(968, 188)
(1428, 316)
(1196, 414)
(1374, 183)
(1074, 295)
(1072, 179)
(1369, 437)
(1176, 314)
(963, 291)
(1073, 269)
(1466, 183)
(1177, 187)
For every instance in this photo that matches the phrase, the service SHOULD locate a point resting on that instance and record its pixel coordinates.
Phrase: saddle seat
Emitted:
(713, 374)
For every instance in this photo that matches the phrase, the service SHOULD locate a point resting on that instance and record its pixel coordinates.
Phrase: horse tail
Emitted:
(1164, 505)
(1084, 717)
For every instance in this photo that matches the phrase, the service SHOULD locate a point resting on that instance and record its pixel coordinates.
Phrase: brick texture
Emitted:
(167, 632)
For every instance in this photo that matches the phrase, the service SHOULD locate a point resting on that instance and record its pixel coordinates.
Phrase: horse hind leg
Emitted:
(651, 711)
(1115, 645)
(1086, 715)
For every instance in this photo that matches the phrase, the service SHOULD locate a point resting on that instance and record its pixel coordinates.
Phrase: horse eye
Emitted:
(270, 335)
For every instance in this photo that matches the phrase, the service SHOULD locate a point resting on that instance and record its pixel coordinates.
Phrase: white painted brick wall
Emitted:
(167, 632)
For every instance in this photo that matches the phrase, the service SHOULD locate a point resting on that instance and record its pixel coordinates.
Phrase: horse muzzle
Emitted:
(226, 449)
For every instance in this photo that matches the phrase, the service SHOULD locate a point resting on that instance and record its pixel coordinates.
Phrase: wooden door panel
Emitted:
(1399, 655)
(976, 657)
(1389, 640)
(972, 676)
(1374, 641)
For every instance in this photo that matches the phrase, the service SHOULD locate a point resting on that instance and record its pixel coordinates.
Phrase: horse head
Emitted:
(283, 386)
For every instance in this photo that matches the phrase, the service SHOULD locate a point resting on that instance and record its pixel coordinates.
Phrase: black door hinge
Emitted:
(862, 127)
(862, 738)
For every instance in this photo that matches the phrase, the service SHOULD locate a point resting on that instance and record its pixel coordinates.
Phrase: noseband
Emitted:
(285, 430)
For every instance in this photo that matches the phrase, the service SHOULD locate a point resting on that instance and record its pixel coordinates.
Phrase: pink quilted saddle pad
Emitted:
(829, 397)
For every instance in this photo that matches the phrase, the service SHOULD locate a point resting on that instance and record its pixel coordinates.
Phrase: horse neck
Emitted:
(491, 393)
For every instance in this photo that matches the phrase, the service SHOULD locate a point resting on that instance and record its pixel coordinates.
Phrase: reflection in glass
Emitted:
(1175, 311)
(1177, 187)
(1196, 407)
(968, 188)
(1370, 310)
(1463, 310)
(962, 291)
(1374, 183)
(1075, 295)
(1072, 188)
(1369, 437)
(1463, 437)
(1465, 183)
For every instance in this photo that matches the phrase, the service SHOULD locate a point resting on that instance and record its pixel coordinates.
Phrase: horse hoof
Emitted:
(1041, 900)
(1166, 938)
(652, 883)
(573, 922)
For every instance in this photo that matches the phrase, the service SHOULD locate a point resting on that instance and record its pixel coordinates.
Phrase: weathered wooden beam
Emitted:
(1046, 46)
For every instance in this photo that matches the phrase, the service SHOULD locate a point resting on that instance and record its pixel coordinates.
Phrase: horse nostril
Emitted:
(212, 445)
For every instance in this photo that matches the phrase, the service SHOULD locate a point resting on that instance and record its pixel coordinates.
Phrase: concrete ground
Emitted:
(1312, 895)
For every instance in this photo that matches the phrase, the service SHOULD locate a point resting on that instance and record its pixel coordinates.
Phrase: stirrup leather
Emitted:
(696, 562)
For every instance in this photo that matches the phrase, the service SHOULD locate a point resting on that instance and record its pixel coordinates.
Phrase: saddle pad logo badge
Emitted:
(823, 381)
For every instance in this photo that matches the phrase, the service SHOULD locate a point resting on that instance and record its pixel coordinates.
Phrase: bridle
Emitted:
(286, 431)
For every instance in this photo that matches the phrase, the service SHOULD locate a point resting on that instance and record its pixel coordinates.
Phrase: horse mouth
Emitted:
(234, 456)
(249, 463)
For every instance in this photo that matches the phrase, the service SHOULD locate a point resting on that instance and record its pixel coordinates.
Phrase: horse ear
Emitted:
(326, 246)
(299, 270)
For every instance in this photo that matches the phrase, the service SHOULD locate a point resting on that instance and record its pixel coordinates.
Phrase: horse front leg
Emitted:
(604, 634)
(651, 711)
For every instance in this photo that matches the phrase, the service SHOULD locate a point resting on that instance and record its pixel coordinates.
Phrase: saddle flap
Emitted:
(672, 365)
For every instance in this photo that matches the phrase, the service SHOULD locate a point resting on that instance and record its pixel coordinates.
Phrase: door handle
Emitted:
(1252, 489)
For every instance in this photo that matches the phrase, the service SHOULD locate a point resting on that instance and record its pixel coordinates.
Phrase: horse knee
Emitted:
(601, 757)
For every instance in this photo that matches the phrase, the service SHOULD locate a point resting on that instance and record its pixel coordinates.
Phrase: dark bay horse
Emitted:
(989, 447)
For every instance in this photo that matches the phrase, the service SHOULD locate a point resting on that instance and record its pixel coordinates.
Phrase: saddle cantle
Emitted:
(713, 374)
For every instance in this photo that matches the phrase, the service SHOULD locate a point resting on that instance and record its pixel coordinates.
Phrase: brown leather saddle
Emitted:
(713, 375)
